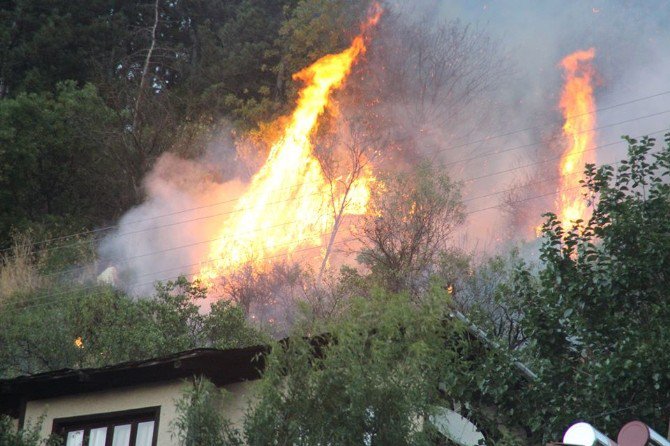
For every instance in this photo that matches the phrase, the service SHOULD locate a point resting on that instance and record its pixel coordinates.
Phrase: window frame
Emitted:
(133, 417)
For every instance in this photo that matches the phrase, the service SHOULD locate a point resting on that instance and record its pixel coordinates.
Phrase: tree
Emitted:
(91, 326)
(385, 366)
(199, 420)
(374, 384)
(480, 289)
(409, 224)
(52, 153)
(27, 436)
(425, 81)
(596, 314)
(312, 30)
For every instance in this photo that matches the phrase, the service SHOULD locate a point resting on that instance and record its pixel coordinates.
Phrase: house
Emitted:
(134, 403)
(127, 404)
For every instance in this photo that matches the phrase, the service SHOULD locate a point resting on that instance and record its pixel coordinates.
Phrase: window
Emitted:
(136, 427)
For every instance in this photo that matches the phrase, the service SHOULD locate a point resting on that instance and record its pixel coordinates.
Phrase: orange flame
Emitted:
(285, 206)
(578, 107)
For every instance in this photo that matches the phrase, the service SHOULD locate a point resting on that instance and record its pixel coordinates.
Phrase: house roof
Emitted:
(220, 366)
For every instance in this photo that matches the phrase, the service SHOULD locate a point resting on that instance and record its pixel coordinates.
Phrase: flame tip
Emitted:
(292, 165)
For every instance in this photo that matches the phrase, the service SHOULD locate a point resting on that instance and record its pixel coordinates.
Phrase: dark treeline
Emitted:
(92, 92)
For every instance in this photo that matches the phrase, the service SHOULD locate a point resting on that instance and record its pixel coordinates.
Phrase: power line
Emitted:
(161, 226)
(534, 197)
(95, 231)
(283, 224)
(555, 158)
(290, 199)
(31, 302)
(295, 198)
(162, 251)
(495, 153)
(526, 185)
(183, 267)
(513, 132)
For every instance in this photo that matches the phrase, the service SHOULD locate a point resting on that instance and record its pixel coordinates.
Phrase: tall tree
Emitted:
(52, 151)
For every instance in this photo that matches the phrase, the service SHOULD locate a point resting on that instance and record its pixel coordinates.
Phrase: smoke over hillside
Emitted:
(471, 85)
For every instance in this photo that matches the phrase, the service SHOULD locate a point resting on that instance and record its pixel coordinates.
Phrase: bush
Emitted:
(199, 419)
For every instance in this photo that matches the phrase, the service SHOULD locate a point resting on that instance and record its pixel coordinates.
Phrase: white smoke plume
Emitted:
(167, 234)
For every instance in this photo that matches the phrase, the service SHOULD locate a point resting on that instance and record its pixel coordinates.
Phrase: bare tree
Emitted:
(346, 155)
(268, 293)
(427, 80)
(480, 288)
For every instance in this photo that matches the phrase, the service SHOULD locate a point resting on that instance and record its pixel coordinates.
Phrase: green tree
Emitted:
(382, 370)
(27, 436)
(372, 385)
(90, 326)
(52, 158)
(199, 419)
(596, 314)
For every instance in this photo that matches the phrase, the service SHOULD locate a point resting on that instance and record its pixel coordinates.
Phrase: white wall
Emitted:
(164, 395)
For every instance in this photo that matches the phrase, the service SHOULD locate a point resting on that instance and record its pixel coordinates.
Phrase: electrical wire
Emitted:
(511, 149)
(31, 303)
(120, 260)
(111, 227)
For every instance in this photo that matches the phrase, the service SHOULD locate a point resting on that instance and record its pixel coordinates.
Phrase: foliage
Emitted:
(480, 288)
(374, 379)
(316, 28)
(27, 436)
(597, 313)
(410, 221)
(77, 135)
(199, 419)
(50, 156)
(111, 326)
(372, 385)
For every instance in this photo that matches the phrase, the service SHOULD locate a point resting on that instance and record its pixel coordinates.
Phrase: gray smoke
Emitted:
(518, 45)
(631, 39)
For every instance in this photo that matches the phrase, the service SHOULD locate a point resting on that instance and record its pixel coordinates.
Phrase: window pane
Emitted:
(75, 438)
(145, 433)
(121, 435)
(97, 437)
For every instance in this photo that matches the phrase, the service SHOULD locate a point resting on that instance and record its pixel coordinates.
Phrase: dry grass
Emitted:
(19, 269)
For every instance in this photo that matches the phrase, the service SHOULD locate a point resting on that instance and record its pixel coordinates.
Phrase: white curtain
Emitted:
(75, 438)
(97, 437)
(121, 435)
(145, 433)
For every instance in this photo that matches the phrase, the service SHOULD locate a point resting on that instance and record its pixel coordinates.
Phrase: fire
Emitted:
(578, 107)
(286, 206)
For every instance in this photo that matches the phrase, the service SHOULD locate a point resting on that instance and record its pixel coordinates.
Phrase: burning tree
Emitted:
(286, 197)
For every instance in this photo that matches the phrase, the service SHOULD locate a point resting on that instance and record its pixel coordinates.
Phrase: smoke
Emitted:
(167, 234)
(492, 120)
(631, 40)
